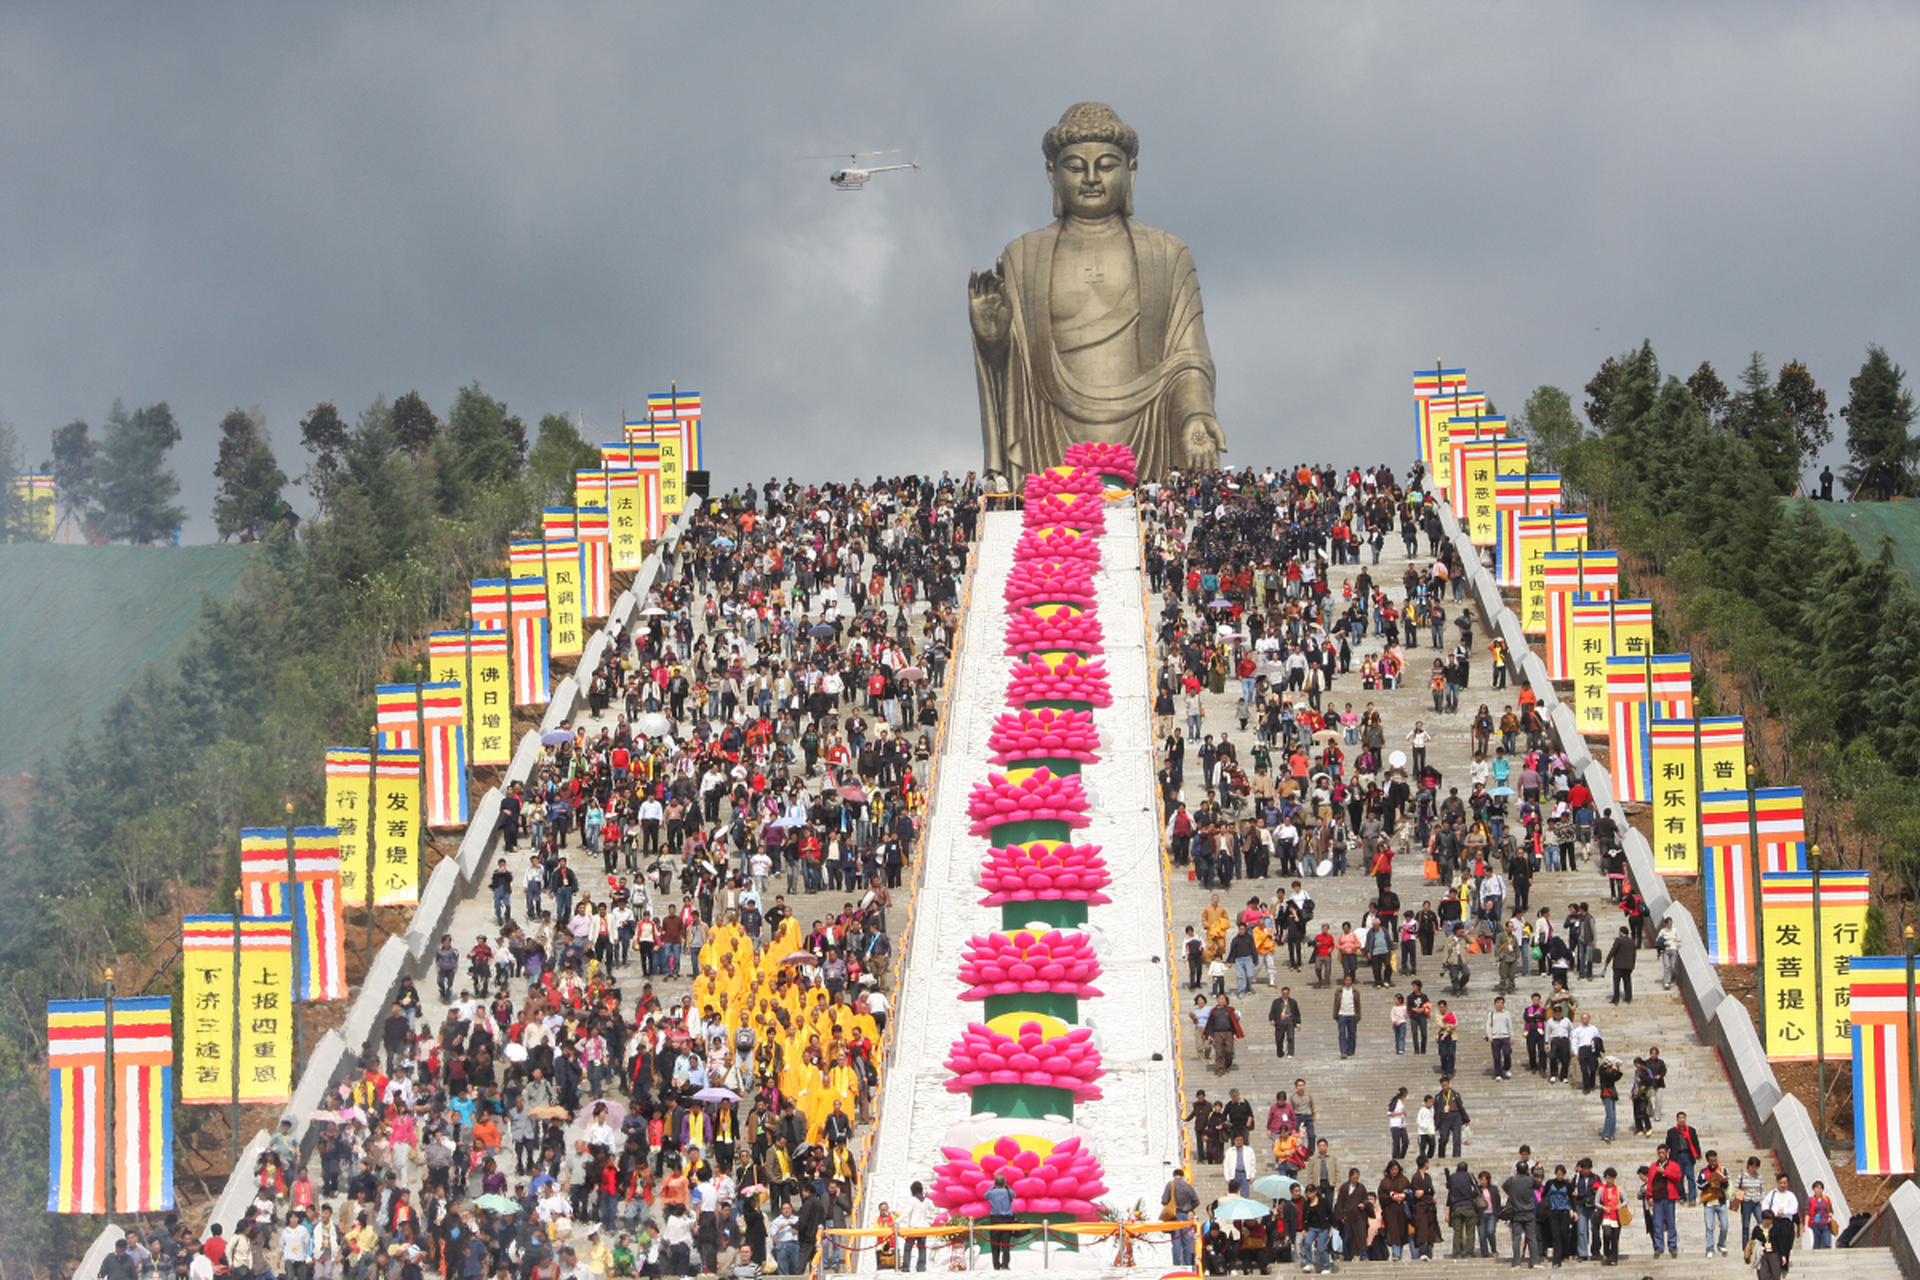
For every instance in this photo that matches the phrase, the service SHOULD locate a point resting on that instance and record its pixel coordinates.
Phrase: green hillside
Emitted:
(77, 624)
(1868, 522)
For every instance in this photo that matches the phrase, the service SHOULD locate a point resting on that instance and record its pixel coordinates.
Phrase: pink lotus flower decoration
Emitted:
(1044, 731)
(984, 1056)
(1067, 680)
(1067, 1180)
(1028, 632)
(1104, 459)
(1074, 511)
(1042, 870)
(1009, 964)
(1054, 542)
(1039, 581)
(1070, 481)
(1040, 797)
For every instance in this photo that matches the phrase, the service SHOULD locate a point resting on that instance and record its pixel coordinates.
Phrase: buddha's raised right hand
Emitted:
(987, 305)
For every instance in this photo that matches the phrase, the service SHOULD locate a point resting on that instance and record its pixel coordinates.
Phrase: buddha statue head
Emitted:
(1092, 157)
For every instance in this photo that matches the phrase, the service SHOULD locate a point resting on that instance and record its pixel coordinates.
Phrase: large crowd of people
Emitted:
(659, 1057)
(1318, 787)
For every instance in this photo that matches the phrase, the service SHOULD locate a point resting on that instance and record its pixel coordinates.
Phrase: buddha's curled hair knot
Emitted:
(1090, 122)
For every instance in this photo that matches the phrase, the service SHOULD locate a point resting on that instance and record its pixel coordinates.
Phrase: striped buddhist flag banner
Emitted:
(319, 934)
(1726, 863)
(531, 681)
(349, 792)
(1560, 580)
(1799, 1004)
(489, 604)
(1671, 745)
(1672, 691)
(264, 1019)
(396, 710)
(1781, 815)
(596, 556)
(527, 558)
(567, 630)
(626, 520)
(1593, 644)
(1538, 535)
(1515, 496)
(396, 828)
(669, 437)
(1440, 411)
(696, 437)
(1437, 381)
(1723, 752)
(1627, 729)
(443, 708)
(556, 524)
(142, 1146)
(1472, 467)
(590, 488)
(1879, 995)
(492, 712)
(1600, 572)
(674, 404)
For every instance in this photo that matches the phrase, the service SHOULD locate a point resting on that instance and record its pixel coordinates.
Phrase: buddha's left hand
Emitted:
(1204, 442)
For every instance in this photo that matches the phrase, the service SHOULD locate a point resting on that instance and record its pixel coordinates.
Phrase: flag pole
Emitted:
(1819, 998)
(293, 887)
(420, 814)
(233, 1104)
(1913, 1059)
(373, 804)
(107, 1118)
(1754, 861)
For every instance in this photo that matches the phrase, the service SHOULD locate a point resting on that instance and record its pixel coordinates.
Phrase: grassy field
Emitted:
(1868, 522)
(78, 624)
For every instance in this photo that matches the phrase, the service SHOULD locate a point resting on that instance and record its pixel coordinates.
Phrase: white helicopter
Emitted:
(853, 179)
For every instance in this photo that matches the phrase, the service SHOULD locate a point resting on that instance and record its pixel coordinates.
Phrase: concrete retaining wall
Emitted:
(337, 1054)
(1777, 1119)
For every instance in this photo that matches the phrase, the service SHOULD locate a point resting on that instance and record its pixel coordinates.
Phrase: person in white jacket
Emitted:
(1240, 1166)
(1500, 1037)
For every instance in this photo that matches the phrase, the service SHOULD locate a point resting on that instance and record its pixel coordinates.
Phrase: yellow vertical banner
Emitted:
(1478, 463)
(569, 636)
(1672, 747)
(396, 828)
(492, 739)
(1537, 535)
(1723, 753)
(1807, 963)
(627, 522)
(262, 1022)
(590, 488)
(1592, 646)
(347, 782)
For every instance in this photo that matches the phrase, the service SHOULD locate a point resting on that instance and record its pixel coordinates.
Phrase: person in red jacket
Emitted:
(1664, 1178)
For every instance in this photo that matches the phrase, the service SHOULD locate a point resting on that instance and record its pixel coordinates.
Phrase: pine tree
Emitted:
(1599, 391)
(484, 444)
(136, 489)
(249, 501)
(75, 487)
(1755, 414)
(324, 436)
(557, 454)
(414, 424)
(1879, 412)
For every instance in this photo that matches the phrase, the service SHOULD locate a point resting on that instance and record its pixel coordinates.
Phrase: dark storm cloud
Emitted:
(272, 205)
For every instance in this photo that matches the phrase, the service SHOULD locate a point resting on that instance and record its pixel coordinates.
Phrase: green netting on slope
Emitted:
(1868, 522)
(78, 624)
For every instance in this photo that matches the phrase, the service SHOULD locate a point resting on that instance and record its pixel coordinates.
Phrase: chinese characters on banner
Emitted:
(627, 520)
(492, 699)
(347, 796)
(1684, 752)
(1538, 535)
(1440, 412)
(1797, 1006)
(262, 1022)
(397, 829)
(568, 623)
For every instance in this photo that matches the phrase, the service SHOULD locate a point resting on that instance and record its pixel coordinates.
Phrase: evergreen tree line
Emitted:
(1691, 479)
(138, 817)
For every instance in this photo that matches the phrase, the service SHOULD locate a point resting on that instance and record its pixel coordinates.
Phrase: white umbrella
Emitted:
(654, 725)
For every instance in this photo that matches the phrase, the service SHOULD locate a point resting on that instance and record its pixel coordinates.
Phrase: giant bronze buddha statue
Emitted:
(1090, 329)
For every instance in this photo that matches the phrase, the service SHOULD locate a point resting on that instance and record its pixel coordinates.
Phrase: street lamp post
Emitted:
(1819, 994)
(1913, 1058)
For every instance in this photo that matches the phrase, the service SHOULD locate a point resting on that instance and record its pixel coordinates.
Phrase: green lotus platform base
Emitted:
(1036, 655)
(1059, 766)
(1064, 1007)
(1062, 913)
(1010, 833)
(1029, 1101)
(1059, 704)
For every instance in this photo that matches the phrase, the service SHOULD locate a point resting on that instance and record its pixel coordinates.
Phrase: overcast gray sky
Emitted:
(271, 205)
